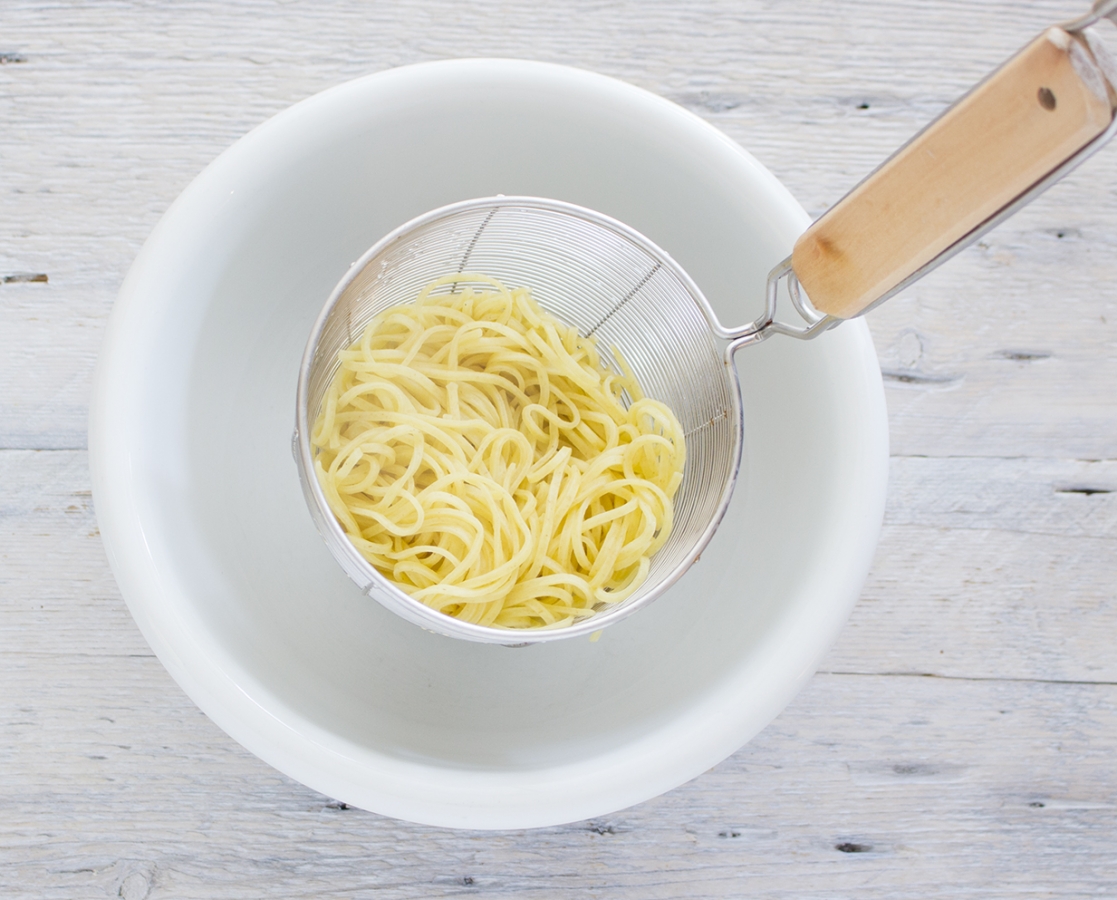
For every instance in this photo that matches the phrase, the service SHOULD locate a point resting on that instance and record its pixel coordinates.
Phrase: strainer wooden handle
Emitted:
(1015, 128)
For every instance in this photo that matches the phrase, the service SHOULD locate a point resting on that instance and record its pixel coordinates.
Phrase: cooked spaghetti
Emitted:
(481, 455)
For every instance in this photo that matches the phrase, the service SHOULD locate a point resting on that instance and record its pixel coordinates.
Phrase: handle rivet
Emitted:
(1046, 98)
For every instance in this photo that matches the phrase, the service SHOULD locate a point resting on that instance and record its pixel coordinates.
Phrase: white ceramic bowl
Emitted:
(211, 542)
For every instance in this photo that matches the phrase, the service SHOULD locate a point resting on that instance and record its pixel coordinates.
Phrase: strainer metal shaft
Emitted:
(1014, 135)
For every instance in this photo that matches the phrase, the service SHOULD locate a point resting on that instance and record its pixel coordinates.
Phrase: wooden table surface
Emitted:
(961, 738)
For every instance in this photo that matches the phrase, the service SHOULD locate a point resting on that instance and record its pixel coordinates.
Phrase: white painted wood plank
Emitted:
(943, 787)
(57, 593)
(1034, 497)
(985, 604)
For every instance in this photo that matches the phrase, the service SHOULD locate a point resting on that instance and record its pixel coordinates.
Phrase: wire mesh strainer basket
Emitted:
(593, 273)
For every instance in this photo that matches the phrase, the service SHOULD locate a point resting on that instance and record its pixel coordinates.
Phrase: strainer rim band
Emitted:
(385, 591)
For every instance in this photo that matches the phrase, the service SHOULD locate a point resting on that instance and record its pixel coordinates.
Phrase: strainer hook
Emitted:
(766, 325)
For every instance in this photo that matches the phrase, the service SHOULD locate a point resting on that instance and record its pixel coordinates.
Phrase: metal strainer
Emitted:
(591, 272)
(1014, 135)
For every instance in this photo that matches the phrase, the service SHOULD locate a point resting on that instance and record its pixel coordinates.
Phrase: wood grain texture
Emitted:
(866, 785)
(961, 737)
(1010, 132)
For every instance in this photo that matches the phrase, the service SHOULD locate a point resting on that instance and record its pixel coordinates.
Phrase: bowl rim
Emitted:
(391, 785)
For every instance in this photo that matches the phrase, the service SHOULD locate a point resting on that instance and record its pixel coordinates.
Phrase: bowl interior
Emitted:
(199, 500)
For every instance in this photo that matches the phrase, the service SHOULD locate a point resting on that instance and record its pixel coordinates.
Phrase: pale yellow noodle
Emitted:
(478, 453)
